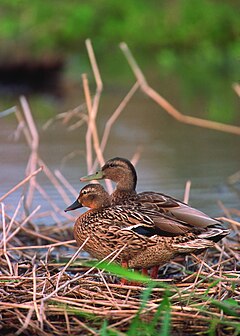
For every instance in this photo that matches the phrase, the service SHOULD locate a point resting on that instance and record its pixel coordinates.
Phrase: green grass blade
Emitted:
(103, 331)
(212, 328)
(165, 307)
(162, 310)
(119, 271)
(229, 306)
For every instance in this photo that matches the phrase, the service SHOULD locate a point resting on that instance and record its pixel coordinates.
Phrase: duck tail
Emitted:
(203, 240)
(214, 234)
(194, 245)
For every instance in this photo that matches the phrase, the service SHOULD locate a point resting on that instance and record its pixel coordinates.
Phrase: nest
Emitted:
(42, 294)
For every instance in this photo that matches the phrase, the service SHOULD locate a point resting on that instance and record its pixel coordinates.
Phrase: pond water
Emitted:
(171, 153)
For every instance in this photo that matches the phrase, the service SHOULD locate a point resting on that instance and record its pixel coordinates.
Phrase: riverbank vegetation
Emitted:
(196, 44)
(167, 29)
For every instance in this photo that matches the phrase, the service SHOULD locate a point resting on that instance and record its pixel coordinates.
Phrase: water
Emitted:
(171, 154)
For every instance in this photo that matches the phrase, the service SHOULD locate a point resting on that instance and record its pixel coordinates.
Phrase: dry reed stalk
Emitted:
(236, 88)
(88, 136)
(8, 111)
(229, 217)
(170, 109)
(32, 138)
(66, 117)
(97, 77)
(35, 295)
(92, 108)
(62, 243)
(26, 322)
(92, 132)
(85, 327)
(187, 192)
(54, 181)
(47, 198)
(110, 122)
(230, 221)
(34, 327)
(73, 258)
(22, 224)
(4, 241)
(65, 182)
(136, 156)
(114, 303)
(34, 143)
(126, 312)
(32, 233)
(12, 220)
(24, 128)
(20, 184)
(234, 178)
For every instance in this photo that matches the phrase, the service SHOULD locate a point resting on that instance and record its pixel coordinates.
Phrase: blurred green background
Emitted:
(191, 45)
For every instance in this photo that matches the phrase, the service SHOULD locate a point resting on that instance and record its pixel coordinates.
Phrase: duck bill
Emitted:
(74, 206)
(97, 176)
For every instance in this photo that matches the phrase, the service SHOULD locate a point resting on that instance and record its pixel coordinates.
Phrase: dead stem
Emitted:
(34, 143)
(35, 294)
(236, 88)
(167, 106)
(187, 192)
(115, 115)
(54, 181)
(26, 322)
(23, 223)
(92, 132)
(73, 258)
(65, 182)
(85, 327)
(21, 183)
(64, 243)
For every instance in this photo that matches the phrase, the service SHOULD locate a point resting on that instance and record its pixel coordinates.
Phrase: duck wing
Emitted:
(147, 222)
(175, 208)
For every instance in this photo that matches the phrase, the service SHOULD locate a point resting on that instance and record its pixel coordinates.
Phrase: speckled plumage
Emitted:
(134, 234)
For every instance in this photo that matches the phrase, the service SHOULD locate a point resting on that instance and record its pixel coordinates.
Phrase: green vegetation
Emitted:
(168, 28)
(195, 42)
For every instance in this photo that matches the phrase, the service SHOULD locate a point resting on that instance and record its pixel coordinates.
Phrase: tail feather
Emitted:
(214, 234)
(193, 245)
(193, 216)
(203, 241)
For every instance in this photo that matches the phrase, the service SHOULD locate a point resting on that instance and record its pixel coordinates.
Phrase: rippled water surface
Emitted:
(171, 154)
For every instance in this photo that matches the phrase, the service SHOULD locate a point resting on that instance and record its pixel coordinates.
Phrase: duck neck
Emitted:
(106, 203)
(127, 183)
(125, 187)
(122, 196)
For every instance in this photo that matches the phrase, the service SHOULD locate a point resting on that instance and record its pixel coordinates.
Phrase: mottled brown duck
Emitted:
(134, 235)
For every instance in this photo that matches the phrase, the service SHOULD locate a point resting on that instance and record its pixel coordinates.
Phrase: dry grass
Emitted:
(43, 296)
(43, 291)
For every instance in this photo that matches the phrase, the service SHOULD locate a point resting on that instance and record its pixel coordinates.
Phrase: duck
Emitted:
(133, 235)
(122, 172)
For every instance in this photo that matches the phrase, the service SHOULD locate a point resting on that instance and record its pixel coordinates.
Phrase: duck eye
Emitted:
(84, 192)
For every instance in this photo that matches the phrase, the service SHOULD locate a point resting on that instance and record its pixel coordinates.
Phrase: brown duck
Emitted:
(134, 235)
